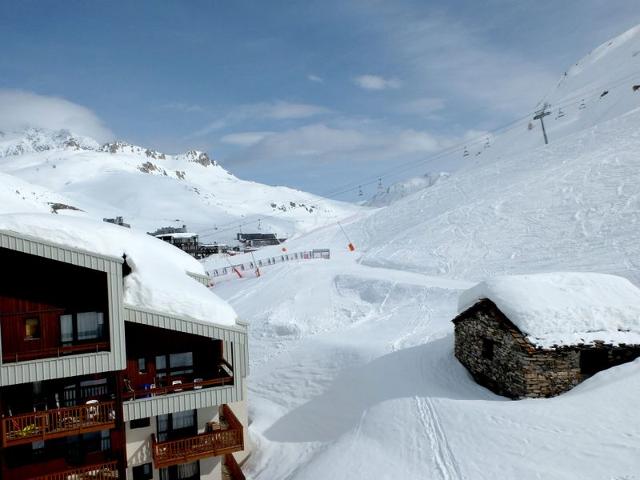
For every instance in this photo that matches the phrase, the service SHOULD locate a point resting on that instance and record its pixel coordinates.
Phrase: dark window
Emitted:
(487, 348)
(593, 361)
(176, 425)
(143, 472)
(140, 423)
(32, 328)
(142, 365)
(174, 365)
(81, 327)
(185, 471)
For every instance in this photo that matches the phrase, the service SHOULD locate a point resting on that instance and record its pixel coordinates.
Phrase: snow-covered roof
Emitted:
(159, 277)
(177, 235)
(564, 308)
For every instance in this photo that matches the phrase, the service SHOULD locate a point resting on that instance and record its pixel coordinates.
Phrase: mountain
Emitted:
(372, 387)
(152, 189)
(525, 206)
(603, 85)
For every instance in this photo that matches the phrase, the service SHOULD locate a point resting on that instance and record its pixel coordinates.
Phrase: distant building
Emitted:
(181, 238)
(117, 221)
(257, 240)
(541, 335)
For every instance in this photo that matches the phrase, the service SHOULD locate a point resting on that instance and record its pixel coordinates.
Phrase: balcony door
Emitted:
(176, 425)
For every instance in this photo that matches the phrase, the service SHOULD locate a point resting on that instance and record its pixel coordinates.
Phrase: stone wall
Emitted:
(504, 373)
(516, 368)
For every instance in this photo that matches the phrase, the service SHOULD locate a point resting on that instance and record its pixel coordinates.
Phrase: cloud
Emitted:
(375, 82)
(315, 78)
(276, 110)
(461, 63)
(244, 139)
(283, 110)
(182, 107)
(21, 109)
(421, 106)
(328, 144)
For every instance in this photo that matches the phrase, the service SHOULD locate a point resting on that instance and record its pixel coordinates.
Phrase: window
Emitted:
(32, 328)
(143, 472)
(66, 329)
(174, 365)
(81, 327)
(90, 325)
(140, 423)
(487, 348)
(142, 365)
(593, 361)
(185, 471)
(176, 424)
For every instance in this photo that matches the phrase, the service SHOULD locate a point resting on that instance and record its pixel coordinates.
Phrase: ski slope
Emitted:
(352, 366)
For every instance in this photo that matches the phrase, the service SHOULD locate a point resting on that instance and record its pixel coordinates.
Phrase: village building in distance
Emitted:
(541, 335)
(116, 361)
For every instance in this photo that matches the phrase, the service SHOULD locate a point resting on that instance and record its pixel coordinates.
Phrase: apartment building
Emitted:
(116, 361)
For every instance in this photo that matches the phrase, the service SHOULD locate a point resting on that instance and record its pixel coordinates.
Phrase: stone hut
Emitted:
(541, 335)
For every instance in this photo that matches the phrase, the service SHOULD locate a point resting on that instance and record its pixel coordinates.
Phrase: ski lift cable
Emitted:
(353, 186)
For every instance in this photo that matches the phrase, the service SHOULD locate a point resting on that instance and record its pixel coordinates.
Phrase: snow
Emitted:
(353, 373)
(159, 279)
(177, 235)
(151, 189)
(564, 308)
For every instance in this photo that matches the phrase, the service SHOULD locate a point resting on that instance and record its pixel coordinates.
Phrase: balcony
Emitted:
(226, 437)
(52, 352)
(59, 422)
(100, 471)
(177, 386)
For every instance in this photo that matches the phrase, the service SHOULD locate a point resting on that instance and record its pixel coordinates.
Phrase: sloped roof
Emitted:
(159, 277)
(564, 308)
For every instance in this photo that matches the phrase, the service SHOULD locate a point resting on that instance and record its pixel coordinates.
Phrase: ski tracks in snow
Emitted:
(443, 457)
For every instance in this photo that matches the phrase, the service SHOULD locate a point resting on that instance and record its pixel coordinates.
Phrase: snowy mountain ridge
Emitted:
(153, 189)
(601, 86)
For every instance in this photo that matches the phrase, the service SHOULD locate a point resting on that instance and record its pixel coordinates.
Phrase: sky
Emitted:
(309, 94)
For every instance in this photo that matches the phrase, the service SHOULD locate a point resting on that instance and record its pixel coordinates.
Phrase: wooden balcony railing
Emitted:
(233, 469)
(180, 387)
(211, 444)
(10, 357)
(101, 471)
(59, 422)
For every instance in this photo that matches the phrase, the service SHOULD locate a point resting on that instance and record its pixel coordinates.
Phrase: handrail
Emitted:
(151, 392)
(100, 471)
(209, 444)
(232, 466)
(58, 422)
(11, 357)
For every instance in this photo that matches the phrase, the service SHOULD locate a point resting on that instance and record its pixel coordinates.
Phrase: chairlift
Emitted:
(582, 105)
(466, 152)
(487, 143)
(379, 184)
(560, 114)
(360, 194)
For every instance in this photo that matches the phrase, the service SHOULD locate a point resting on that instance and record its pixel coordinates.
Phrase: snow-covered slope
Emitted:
(353, 371)
(18, 196)
(596, 89)
(402, 189)
(152, 189)
(568, 206)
